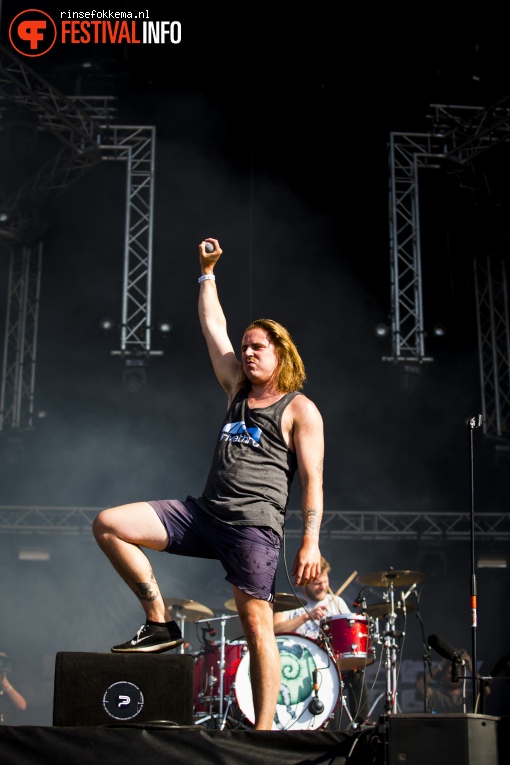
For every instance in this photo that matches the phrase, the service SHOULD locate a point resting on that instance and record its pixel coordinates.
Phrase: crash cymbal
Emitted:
(282, 602)
(188, 608)
(231, 604)
(391, 576)
(376, 610)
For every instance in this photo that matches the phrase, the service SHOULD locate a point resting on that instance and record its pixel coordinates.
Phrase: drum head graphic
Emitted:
(299, 658)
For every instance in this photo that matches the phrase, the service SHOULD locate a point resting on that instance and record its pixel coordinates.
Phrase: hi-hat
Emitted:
(384, 609)
(188, 608)
(391, 576)
(282, 602)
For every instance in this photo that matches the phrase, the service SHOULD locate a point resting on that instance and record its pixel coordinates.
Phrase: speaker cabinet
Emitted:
(116, 689)
(444, 739)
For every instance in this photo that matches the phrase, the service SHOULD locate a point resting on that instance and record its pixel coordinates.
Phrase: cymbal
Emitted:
(391, 576)
(282, 602)
(188, 608)
(383, 609)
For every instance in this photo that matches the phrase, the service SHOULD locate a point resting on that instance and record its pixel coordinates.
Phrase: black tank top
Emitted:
(252, 467)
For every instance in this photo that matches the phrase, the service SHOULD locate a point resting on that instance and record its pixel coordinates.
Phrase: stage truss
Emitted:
(337, 525)
(85, 135)
(458, 135)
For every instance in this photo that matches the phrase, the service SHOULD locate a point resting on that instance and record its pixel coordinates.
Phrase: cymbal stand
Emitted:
(222, 619)
(390, 646)
(344, 706)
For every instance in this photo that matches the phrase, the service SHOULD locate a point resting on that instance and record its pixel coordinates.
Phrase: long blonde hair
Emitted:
(290, 374)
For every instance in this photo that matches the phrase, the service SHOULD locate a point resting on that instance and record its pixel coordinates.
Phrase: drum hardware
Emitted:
(283, 601)
(391, 577)
(220, 715)
(376, 610)
(186, 609)
(388, 610)
(344, 706)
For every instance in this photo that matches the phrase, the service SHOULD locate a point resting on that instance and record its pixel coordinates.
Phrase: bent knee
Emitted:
(102, 524)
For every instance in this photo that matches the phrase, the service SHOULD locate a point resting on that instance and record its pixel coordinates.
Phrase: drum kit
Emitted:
(311, 685)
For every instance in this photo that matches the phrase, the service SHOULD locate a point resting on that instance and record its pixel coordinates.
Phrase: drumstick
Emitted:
(346, 583)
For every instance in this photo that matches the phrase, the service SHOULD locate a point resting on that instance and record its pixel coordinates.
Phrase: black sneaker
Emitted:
(151, 638)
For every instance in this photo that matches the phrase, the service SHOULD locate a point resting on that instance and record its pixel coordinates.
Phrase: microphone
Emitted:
(209, 247)
(315, 707)
(210, 630)
(447, 651)
(443, 648)
(359, 600)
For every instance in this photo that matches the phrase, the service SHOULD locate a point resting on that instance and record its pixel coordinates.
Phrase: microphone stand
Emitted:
(474, 423)
(427, 665)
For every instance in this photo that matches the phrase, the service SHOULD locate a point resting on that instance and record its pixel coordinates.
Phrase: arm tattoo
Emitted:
(320, 466)
(311, 520)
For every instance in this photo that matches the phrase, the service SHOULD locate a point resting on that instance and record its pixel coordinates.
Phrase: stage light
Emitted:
(438, 330)
(106, 324)
(4, 217)
(382, 330)
(492, 560)
(165, 327)
(38, 555)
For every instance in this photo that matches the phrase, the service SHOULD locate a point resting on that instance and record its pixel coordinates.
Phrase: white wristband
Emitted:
(205, 277)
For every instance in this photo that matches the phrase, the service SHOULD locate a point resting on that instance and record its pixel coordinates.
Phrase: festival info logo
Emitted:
(32, 33)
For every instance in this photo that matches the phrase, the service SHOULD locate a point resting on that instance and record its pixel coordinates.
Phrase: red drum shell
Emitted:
(206, 673)
(350, 639)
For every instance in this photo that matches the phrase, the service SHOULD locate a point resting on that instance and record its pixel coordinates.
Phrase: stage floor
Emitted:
(414, 739)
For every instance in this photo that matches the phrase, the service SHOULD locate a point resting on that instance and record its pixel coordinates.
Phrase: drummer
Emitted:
(305, 620)
(320, 602)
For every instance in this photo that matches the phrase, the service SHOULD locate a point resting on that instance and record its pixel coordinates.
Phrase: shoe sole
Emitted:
(160, 648)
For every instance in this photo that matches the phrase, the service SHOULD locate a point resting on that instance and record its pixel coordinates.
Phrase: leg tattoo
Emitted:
(147, 591)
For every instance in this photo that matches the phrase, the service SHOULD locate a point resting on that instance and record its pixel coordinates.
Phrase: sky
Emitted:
(272, 137)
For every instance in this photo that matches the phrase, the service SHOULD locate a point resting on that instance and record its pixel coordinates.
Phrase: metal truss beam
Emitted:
(19, 360)
(493, 324)
(407, 153)
(458, 135)
(136, 146)
(83, 126)
(75, 130)
(430, 527)
(401, 526)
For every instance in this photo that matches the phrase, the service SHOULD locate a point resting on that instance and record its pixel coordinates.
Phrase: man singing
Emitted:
(270, 430)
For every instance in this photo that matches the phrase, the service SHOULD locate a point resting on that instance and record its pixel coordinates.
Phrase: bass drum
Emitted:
(300, 657)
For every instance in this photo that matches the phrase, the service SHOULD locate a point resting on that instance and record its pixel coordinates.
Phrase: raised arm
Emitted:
(308, 439)
(16, 698)
(214, 325)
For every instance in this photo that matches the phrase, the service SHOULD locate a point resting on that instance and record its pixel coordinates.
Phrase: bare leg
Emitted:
(119, 532)
(265, 669)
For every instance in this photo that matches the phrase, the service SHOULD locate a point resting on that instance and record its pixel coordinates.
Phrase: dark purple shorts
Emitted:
(248, 554)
